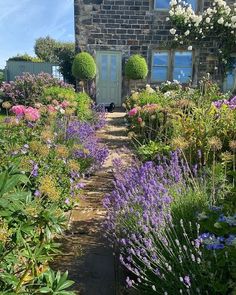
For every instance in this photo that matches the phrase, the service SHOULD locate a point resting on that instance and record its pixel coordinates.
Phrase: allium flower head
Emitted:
(215, 143)
(6, 105)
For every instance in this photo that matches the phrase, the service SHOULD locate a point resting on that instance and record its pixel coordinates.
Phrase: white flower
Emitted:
(187, 33)
(172, 31)
(208, 20)
(173, 2)
(220, 21)
(190, 48)
(233, 19)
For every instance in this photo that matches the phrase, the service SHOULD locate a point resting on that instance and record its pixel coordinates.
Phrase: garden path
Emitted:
(87, 255)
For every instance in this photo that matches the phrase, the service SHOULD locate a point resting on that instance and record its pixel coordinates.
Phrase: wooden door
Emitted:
(108, 81)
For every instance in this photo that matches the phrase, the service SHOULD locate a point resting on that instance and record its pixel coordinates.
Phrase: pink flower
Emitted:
(133, 112)
(140, 120)
(51, 109)
(18, 110)
(65, 104)
(32, 114)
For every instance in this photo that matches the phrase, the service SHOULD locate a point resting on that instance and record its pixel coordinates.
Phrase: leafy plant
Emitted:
(136, 68)
(84, 67)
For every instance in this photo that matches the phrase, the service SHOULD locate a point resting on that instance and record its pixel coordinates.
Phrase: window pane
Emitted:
(183, 59)
(113, 73)
(162, 4)
(159, 74)
(183, 75)
(104, 62)
(160, 59)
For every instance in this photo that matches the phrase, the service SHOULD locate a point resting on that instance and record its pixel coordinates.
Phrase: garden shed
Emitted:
(17, 68)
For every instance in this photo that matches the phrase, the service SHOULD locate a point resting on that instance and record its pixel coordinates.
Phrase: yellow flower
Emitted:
(227, 157)
(47, 135)
(62, 151)
(73, 165)
(6, 105)
(215, 143)
(232, 145)
(48, 187)
(34, 146)
(180, 143)
(25, 164)
(69, 111)
(4, 232)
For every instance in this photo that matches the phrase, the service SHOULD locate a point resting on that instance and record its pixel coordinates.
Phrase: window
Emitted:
(165, 4)
(230, 79)
(171, 65)
(160, 65)
(182, 70)
(56, 73)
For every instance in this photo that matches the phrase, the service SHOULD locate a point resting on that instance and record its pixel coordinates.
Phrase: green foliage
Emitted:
(58, 93)
(84, 67)
(1, 76)
(84, 111)
(45, 49)
(25, 57)
(61, 53)
(136, 68)
(152, 149)
(66, 54)
(28, 226)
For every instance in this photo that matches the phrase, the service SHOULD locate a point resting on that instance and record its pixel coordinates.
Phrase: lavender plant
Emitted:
(152, 216)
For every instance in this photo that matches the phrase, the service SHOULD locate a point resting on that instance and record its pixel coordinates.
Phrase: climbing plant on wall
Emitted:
(217, 23)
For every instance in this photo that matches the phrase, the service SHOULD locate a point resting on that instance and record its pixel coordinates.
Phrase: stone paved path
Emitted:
(87, 256)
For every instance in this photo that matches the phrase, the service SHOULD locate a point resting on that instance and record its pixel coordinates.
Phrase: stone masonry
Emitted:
(133, 26)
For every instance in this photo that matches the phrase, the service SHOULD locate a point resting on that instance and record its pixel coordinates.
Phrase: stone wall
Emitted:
(133, 26)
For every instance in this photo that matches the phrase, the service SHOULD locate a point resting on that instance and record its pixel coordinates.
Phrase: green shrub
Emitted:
(136, 68)
(84, 67)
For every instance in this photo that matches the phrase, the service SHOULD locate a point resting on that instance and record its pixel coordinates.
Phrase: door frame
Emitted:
(117, 52)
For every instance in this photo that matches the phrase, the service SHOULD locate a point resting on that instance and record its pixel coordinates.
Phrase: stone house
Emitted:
(112, 30)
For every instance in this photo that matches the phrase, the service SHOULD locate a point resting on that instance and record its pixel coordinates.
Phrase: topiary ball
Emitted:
(84, 66)
(136, 67)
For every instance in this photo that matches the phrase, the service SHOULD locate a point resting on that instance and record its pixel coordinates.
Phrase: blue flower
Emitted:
(215, 246)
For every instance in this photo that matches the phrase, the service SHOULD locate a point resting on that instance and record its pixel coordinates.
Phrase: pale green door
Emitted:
(108, 81)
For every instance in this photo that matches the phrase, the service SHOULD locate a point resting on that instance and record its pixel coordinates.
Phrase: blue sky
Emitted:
(23, 21)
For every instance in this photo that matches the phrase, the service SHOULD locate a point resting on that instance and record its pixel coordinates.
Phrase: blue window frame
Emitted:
(160, 66)
(182, 66)
(165, 4)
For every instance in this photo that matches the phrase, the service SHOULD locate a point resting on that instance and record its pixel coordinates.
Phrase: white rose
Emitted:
(220, 21)
(173, 2)
(233, 19)
(190, 48)
(187, 33)
(172, 31)
(208, 20)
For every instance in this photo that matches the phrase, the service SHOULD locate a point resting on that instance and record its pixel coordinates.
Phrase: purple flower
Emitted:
(187, 281)
(37, 193)
(215, 246)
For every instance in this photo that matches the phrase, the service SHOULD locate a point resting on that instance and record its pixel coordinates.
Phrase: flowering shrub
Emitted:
(27, 228)
(161, 244)
(218, 22)
(28, 89)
